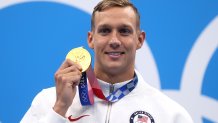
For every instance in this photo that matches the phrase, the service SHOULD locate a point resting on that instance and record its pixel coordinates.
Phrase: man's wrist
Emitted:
(54, 117)
(60, 109)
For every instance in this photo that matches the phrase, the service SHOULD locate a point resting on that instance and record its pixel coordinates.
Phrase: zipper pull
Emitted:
(111, 88)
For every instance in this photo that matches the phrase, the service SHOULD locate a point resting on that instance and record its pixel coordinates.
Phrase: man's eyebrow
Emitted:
(125, 25)
(106, 25)
(103, 26)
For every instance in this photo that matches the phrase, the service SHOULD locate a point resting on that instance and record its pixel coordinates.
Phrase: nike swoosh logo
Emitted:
(75, 119)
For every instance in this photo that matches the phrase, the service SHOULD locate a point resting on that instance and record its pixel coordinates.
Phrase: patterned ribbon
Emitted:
(86, 89)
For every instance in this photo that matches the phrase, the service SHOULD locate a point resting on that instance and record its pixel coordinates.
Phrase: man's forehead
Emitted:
(119, 25)
(124, 14)
(116, 11)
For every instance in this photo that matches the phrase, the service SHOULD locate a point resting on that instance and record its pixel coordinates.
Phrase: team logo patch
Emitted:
(141, 117)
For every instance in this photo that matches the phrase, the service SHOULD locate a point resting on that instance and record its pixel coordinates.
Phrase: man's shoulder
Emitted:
(157, 97)
(47, 96)
(47, 92)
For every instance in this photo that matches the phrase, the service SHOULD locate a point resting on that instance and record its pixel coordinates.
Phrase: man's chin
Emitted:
(114, 69)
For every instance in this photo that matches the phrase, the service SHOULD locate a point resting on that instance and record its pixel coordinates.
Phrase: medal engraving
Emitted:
(80, 56)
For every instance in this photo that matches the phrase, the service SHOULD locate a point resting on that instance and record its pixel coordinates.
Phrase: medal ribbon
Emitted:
(86, 89)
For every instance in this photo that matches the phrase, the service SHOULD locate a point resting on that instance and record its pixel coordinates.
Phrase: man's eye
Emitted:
(125, 31)
(104, 31)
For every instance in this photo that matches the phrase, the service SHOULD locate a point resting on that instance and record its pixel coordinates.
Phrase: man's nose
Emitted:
(114, 42)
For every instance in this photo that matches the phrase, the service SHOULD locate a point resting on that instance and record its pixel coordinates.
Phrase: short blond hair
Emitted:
(106, 4)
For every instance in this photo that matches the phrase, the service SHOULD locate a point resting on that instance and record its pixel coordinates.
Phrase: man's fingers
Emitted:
(67, 63)
(71, 77)
(69, 69)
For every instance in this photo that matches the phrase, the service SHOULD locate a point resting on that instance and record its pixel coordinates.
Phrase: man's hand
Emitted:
(67, 78)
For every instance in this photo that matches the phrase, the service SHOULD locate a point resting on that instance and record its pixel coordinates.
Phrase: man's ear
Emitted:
(141, 39)
(90, 40)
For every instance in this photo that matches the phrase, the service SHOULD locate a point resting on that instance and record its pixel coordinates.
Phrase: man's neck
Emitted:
(114, 77)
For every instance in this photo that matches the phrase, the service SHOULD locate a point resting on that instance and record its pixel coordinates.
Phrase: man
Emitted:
(115, 36)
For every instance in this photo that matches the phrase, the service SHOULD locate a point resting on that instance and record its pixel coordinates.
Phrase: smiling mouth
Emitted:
(115, 53)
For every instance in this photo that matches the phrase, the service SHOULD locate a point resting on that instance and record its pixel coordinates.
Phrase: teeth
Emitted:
(114, 53)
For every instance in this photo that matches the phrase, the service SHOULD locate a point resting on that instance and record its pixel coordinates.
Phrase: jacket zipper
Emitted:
(109, 106)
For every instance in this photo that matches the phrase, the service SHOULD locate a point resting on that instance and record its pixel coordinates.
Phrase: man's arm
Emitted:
(51, 106)
(41, 110)
(67, 78)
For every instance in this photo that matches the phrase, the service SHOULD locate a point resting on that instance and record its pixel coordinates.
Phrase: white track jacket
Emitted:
(144, 104)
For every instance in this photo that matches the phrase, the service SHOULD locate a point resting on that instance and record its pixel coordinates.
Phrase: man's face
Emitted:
(115, 39)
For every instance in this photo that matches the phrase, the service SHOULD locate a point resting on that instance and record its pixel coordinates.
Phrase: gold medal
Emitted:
(80, 56)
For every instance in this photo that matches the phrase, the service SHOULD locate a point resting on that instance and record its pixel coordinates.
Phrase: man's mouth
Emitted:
(115, 54)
